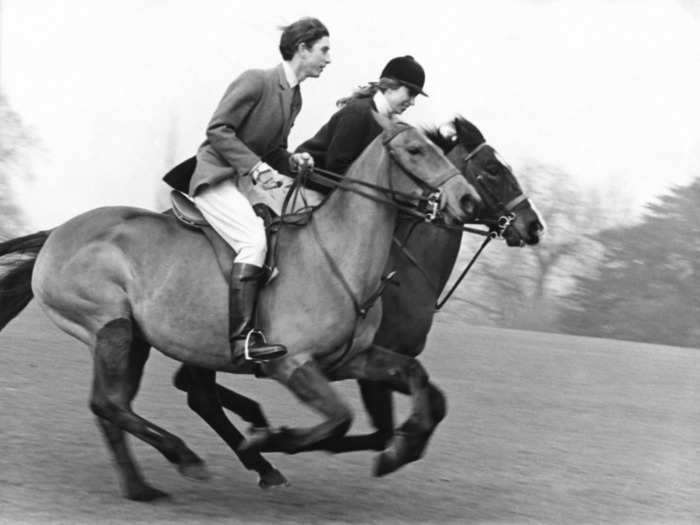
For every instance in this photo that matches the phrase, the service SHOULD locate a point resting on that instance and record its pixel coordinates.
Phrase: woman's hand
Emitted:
(300, 162)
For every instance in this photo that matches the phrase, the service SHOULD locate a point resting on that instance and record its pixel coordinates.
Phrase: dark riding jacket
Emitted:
(343, 138)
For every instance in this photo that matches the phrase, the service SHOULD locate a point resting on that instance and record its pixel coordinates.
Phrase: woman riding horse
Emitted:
(350, 130)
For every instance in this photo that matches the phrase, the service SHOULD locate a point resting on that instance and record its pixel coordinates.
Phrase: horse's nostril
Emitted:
(536, 231)
(467, 204)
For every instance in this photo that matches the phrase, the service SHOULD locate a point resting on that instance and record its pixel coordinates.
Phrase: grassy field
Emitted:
(541, 428)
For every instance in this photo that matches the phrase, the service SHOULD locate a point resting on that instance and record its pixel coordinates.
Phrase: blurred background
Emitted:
(595, 105)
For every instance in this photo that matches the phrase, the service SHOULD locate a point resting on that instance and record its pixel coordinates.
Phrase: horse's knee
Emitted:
(438, 404)
(99, 408)
(181, 379)
(343, 422)
(417, 372)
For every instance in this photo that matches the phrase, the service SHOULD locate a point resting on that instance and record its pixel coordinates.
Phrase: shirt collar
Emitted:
(289, 74)
(382, 104)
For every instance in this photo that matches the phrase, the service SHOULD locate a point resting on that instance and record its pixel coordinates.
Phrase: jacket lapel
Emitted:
(285, 94)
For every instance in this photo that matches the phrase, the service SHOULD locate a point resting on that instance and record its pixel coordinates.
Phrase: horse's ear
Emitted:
(468, 134)
(383, 121)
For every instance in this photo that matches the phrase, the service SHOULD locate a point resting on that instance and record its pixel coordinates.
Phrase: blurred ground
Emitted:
(541, 428)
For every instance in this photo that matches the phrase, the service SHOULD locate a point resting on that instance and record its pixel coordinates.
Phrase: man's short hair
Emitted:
(304, 31)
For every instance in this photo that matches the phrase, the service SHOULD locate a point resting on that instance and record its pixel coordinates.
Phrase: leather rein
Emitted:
(423, 208)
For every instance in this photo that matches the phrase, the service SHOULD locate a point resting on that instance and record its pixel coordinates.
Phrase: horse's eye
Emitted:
(493, 169)
(414, 150)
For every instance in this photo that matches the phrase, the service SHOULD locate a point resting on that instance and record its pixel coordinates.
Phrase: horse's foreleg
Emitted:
(247, 409)
(309, 384)
(406, 375)
(118, 368)
(379, 403)
(203, 398)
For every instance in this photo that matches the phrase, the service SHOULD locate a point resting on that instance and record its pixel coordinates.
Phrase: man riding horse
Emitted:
(247, 137)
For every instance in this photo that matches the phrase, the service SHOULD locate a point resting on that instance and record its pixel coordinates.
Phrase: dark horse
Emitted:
(423, 256)
(122, 280)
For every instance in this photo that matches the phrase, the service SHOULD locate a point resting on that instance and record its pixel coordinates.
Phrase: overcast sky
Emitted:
(606, 90)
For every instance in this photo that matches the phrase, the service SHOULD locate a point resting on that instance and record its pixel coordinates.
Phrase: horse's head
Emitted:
(422, 169)
(505, 207)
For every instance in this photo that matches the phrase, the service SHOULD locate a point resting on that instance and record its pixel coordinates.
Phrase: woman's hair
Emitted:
(304, 31)
(369, 89)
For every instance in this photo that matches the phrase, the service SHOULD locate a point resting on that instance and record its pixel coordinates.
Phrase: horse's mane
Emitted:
(467, 134)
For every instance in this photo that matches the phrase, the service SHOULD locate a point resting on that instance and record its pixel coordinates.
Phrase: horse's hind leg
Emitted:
(132, 482)
(203, 398)
(406, 375)
(118, 368)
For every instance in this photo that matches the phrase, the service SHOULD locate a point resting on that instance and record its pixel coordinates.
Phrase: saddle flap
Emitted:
(186, 211)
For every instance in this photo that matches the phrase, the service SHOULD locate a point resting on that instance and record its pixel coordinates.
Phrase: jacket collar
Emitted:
(281, 73)
(289, 74)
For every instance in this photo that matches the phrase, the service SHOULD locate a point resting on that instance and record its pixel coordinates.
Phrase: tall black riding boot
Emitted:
(245, 281)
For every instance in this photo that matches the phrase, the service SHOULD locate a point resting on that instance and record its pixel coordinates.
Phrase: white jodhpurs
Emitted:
(230, 213)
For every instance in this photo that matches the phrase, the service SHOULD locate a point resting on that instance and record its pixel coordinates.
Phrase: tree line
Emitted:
(598, 272)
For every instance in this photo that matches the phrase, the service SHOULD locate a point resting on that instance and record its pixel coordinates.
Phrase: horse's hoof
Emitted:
(196, 471)
(272, 479)
(386, 463)
(145, 492)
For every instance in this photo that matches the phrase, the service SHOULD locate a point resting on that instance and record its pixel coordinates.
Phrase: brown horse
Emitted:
(423, 256)
(123, 280)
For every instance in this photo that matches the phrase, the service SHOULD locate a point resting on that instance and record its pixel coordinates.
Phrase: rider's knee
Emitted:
(253, 249)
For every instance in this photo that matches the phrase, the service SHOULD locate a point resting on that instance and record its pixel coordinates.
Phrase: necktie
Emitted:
(296, 100)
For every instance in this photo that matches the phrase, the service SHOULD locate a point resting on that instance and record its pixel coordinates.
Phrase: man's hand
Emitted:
(301, 162)
(267, 177)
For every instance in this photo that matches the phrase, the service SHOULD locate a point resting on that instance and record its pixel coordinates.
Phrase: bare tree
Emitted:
(16, 145)
(522, 288)
(162, 198)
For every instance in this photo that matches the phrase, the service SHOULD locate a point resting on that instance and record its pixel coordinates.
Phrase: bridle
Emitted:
(496, 227)
(505, 212)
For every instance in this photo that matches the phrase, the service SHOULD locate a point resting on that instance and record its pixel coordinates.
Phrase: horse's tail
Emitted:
(16, 273)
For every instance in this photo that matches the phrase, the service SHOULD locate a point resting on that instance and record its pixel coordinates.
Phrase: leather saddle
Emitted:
(185, 210)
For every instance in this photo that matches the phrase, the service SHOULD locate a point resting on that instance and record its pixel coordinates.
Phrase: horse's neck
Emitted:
(434, 249)
(357, 230)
